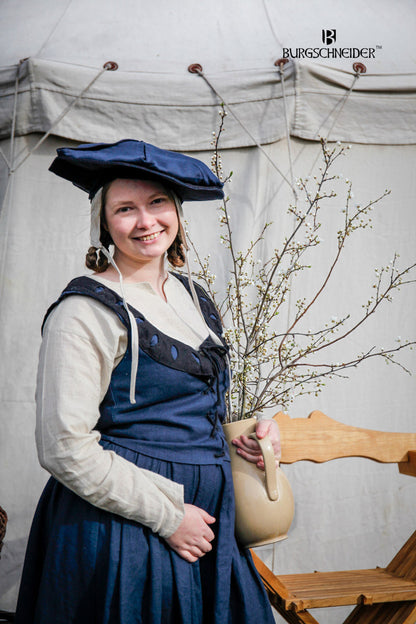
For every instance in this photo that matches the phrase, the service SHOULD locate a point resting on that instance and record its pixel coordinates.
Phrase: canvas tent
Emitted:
(57, 88)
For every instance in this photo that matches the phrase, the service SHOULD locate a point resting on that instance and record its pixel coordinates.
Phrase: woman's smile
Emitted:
(148, 237)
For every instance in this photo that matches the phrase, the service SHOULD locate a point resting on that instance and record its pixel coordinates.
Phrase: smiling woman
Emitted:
(142, 220)
(136, 523)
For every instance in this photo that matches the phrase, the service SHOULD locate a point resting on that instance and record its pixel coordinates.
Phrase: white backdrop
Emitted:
(349, 513)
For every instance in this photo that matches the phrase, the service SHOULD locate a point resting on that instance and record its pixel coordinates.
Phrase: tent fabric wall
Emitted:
(44, 221)
(363, 512)
(58, 49)
(379, 109)
(121, 103)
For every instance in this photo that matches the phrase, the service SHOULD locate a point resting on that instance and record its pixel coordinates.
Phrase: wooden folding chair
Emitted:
(382, 595)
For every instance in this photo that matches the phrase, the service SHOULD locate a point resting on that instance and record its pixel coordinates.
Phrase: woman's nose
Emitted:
(144, 219)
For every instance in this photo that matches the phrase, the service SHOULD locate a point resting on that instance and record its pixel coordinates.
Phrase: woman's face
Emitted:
(141, 219)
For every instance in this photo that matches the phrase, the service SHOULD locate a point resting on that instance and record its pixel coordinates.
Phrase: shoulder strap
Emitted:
(208, 308)
(91, 288)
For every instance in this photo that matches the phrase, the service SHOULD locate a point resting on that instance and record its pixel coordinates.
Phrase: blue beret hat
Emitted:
(91, 165)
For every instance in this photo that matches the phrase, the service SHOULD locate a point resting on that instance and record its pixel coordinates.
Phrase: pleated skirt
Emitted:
(84, 565)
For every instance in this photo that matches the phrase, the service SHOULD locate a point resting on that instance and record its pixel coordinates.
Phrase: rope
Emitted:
(62, 115)
(238, 120)
(5, 227)
(271, 25)
(281, 65)
(7, 199)
(343, 102)
(4, 158)
(341, 105)
(288, 139)
(53, 30)
(13, 130)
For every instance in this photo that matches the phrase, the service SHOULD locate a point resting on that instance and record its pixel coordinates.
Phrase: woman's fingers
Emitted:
(206, 516)
(193, 537)
(187, 556)
(249, 449)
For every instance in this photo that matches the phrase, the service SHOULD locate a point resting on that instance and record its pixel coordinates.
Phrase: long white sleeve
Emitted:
(82, 343)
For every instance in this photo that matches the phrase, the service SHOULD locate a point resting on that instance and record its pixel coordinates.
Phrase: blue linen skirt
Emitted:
(87, 566)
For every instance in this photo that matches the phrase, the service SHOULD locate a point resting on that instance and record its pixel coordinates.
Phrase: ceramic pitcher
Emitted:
(263, 498)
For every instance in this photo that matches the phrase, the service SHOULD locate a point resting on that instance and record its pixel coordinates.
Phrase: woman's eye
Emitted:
(124, 209)
(158, 200)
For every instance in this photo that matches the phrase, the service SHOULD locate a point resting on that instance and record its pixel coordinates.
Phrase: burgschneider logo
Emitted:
(329, 37)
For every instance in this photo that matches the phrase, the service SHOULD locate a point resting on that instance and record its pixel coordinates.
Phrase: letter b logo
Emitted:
(329, 36)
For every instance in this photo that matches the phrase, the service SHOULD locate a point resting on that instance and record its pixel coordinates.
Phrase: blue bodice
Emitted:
(180, 391)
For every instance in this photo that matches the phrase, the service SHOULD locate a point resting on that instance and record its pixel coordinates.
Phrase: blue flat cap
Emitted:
(91, 165)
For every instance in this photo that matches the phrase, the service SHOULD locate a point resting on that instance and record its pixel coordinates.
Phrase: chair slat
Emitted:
(319, 438)
(324, 589)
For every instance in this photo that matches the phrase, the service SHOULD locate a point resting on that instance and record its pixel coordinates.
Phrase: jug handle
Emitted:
(269, 465)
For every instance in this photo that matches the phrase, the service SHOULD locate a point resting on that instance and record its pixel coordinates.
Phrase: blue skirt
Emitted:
(87, 566)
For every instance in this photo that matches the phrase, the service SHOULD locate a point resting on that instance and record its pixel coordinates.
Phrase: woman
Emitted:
(136, 523)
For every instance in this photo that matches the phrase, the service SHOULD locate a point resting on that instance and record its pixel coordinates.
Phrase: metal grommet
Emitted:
(195, 68)
(110, 66)
(280, 62)
(359, 68)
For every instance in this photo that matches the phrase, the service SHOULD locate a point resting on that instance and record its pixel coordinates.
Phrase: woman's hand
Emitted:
(249, 448)
(192, 539)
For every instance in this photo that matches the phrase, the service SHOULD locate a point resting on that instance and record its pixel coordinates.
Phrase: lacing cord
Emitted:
(134, 332)
(214, 414)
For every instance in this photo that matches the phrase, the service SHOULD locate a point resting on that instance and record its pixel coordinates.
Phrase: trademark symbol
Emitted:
(379, 47)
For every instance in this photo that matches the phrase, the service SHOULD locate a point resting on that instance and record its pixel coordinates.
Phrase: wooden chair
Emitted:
(383, 595)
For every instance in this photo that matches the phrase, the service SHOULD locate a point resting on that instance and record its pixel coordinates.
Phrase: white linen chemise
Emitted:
(83, 342)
